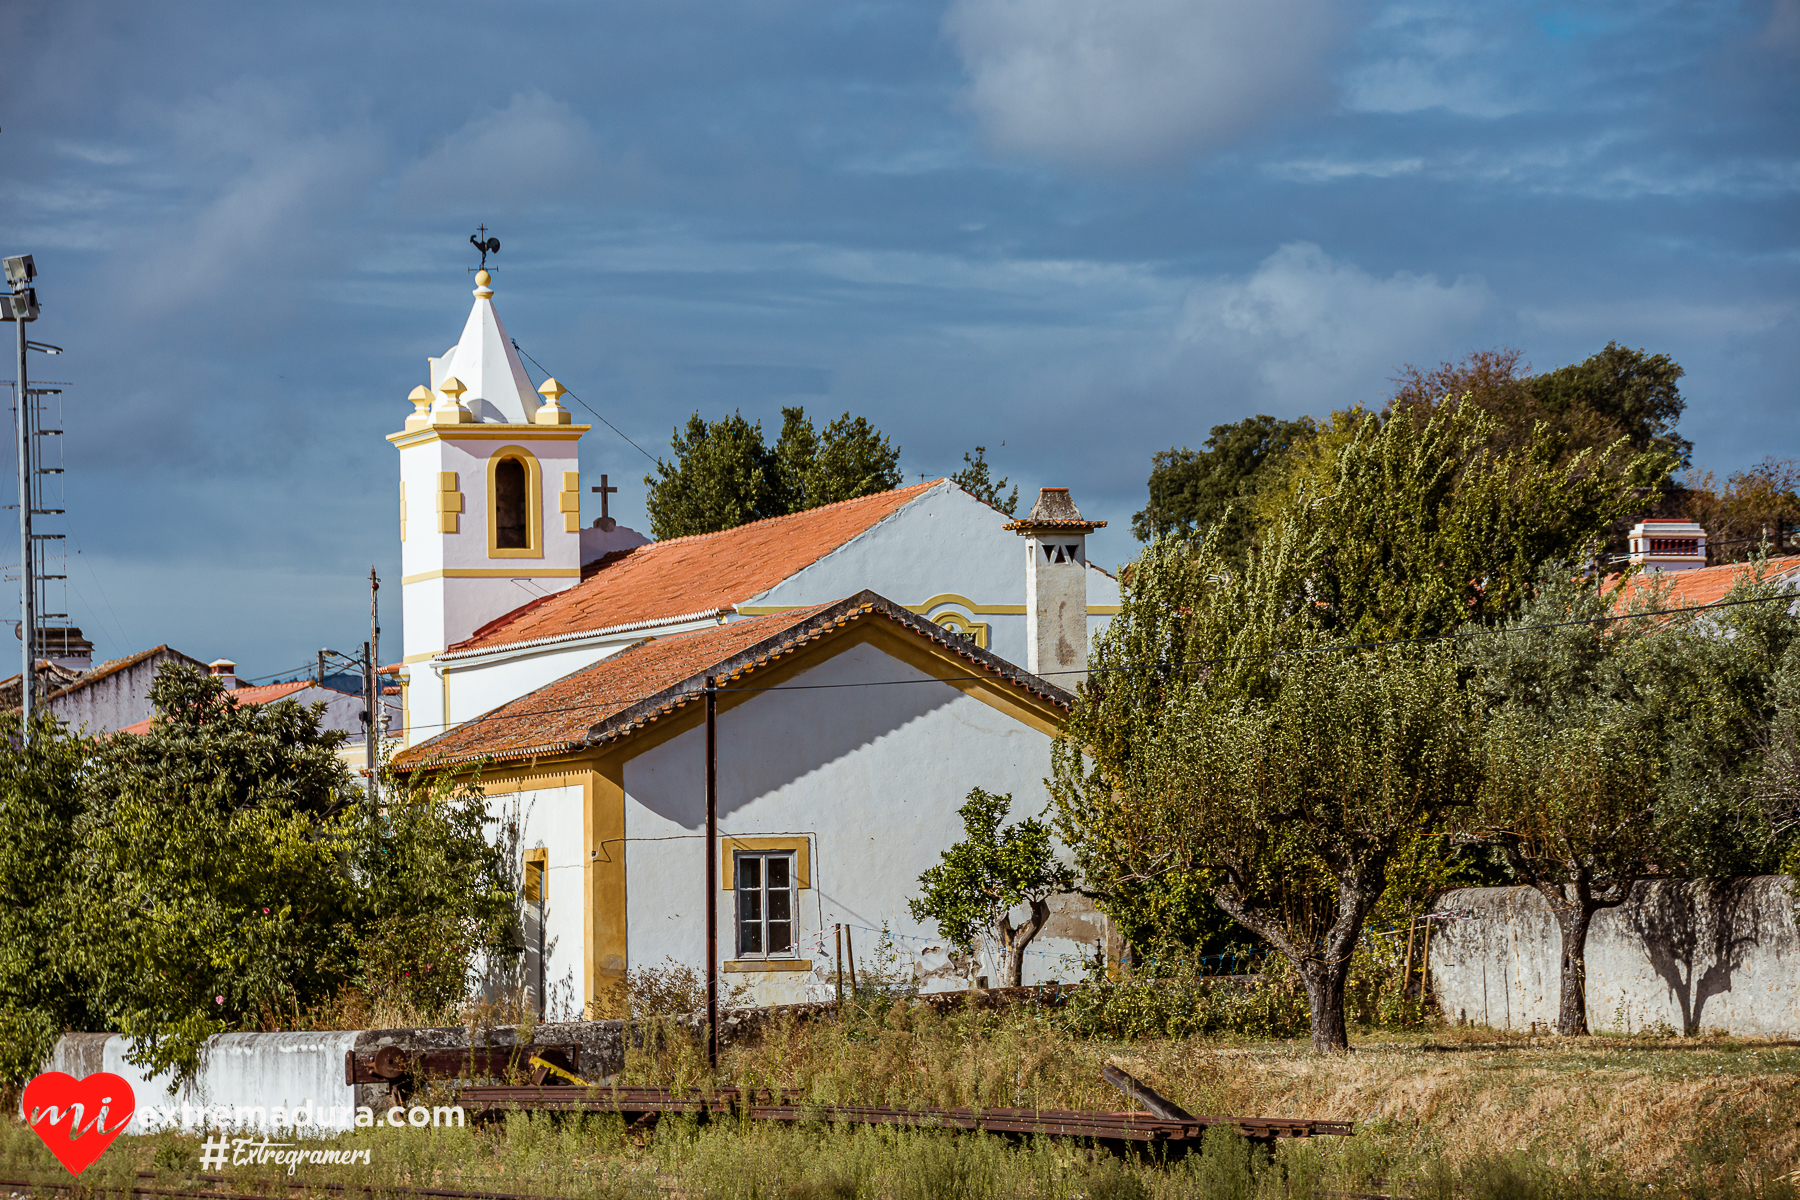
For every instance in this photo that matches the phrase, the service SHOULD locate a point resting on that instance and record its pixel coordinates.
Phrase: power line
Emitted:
(586, 405)
(802, 687)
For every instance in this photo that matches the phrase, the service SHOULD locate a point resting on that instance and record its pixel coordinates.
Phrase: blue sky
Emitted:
(1086, 229)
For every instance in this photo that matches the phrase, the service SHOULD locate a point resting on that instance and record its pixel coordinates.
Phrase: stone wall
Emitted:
(1688, 955)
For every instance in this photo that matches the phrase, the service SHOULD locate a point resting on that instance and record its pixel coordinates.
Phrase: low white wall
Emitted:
(1694, 955)
(262, 1078)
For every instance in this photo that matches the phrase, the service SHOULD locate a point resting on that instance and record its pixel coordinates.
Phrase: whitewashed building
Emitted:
(566, 661)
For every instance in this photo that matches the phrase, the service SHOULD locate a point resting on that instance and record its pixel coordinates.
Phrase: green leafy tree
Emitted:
(854, 459)
(1424, 526)
(989, 873)
(1635, 390)
(211, 869)
(41, 993)
(1211, 490)
(719, 479)
(724, 474)
(976, 480)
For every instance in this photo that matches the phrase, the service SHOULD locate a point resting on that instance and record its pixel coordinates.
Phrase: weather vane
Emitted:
(487, 245)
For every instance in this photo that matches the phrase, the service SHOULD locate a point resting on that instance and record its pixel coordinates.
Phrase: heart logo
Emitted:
(78, 1118)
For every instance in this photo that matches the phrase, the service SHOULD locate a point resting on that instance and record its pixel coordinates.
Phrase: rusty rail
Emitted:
(648, 1103)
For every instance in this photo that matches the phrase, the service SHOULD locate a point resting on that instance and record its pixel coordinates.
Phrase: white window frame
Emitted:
(762, 859)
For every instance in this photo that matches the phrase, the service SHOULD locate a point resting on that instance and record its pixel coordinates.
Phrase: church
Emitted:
(873, 661)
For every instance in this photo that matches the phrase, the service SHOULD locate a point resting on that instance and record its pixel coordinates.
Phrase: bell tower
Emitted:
(490, 500)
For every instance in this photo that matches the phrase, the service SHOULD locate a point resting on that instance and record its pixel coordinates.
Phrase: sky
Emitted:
(1072, 231)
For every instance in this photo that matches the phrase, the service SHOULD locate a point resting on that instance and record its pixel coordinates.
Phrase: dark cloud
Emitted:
(251, 223)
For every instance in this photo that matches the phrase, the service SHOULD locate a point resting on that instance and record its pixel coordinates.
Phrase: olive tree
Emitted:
(1421, 526)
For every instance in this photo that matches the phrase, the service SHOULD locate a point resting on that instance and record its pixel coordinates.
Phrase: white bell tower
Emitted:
(490, 501)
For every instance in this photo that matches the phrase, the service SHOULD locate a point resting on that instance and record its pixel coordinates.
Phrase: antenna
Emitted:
(487, 245)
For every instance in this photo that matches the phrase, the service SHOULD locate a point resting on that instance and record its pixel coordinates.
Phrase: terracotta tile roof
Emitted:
(692, 577)
(621, 694)
(1703, 585)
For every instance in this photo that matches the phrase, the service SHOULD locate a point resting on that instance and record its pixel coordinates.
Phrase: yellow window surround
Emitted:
(536, 863)
(800, 846)
(757, 965)
(568, 501)
(449, 503)
(534, 505)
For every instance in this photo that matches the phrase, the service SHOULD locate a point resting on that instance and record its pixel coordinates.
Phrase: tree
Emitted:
(724, 475)
(41, 995)
(223, 871)
(1570, 790)
(1633, 389)
(982, 878)
(1424, 527)
(720, 479)
(1617, 393)
(1195, 490)
(975, 480)
(1749, 511)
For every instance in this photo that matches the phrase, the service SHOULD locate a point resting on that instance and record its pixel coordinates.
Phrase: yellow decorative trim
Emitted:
(419, 658)
(1104, 610)
(403, 510)
(800, 846)
(975, 631)
(534, 505)
(495, 573)
(568, 501)
(758, 965)
(537, 861)
(489, 430)
(449, 503)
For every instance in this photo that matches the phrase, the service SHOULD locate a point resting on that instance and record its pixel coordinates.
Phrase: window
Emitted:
(511, 530)
(765, 905)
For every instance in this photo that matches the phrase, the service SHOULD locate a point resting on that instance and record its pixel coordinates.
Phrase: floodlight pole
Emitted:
(27, 576)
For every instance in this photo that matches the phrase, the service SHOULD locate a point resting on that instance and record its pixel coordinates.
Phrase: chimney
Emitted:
(1056, 617)
(225, 671)
(1676, 545)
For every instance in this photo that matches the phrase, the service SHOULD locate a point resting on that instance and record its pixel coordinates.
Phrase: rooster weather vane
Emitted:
(491, 245)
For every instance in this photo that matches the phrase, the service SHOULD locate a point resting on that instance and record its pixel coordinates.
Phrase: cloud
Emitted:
(1308, 333)
(534, 150)
(1129, 83)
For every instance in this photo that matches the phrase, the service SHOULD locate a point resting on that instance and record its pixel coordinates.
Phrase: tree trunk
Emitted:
(1573, 915)
(1325, 998)
(1013, 941)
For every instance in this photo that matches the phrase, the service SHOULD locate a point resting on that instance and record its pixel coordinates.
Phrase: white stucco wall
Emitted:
(248, 1071)
(946, 542)
(871, 777)
(550, 819)
(120, 699)
(1693, 955)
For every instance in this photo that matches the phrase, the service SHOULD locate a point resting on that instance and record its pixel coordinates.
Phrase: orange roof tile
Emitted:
(623, 693)
(1703, 585)
(697, 576)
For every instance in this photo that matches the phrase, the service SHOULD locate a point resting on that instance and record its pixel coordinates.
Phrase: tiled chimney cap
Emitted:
(222, 666)
(1054, 510)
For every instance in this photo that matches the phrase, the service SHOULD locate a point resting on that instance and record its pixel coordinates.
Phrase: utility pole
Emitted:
(22, 307)
(374, 693)
(712, 872)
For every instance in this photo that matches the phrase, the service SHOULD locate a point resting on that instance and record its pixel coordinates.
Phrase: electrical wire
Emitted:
(1199, 662)
(589, 407)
